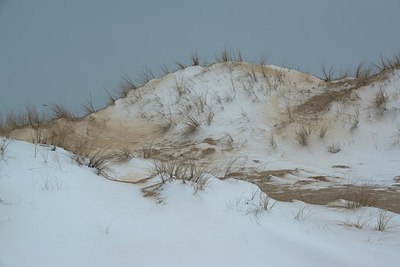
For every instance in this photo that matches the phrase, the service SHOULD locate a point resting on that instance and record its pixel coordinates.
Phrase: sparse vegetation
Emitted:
(358, 220)
(87, 153)
(168, 122)
(88, 107)
(2, 126)
(327, 74)
(232, 166)
(380, 101)
(148, 151)
(195, 59)
(32, 116)
(354, 118)
(127, 85)
(386, 63)
(383, 219)
(51, 183)
(363, 74)
(323, 130)
(271, 141)
(303, 213)
(180, 65)
(61, 112)
(227, 56)
(120, 155)
(396, 136)
(360, 195)
(146, 76)
(302, 134)
(4, 142)
(185, 171)
(60, 136)
(255, 204)
(192, 124)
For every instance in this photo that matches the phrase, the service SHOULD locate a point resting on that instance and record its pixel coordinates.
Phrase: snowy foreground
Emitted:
(55, 213)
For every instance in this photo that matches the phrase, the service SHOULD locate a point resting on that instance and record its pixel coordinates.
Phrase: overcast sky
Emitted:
(64, 51)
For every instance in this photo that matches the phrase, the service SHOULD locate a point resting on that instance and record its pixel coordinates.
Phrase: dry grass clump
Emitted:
(180, 88)
(362, 195)
(232, 166)
(88, 153)
(302, 134)
(168, 122)
(358, 220)
(363, 74)
(352, 118)
(327, 74)
(32, 116)
(100, 160)
(271, 141)
(121, 154)
(303, 213)
(13, 121)
(191, 125)
(146, 76)
(255, 204)
(389, 63)
(61, 112)
(2, 126)
(60, 136)
(383, 219)
(228, 56)
(88, 107)
(4, 142)
(148, 151)
(127, 85)
(259, 202)
(181, 66)
(380, 101)
(181, 170)
(195, 59)
(396, 136)
(323, 128)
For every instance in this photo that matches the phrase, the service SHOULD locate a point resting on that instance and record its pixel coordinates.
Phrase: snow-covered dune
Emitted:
(271, 117)
(185, 170)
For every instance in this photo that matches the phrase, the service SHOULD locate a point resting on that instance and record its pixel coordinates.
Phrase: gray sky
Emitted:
(63, 51)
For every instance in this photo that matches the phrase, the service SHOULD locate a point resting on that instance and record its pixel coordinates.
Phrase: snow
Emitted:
(248, 110)
(55, 213)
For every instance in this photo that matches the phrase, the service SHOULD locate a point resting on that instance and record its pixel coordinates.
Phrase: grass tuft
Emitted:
(327, 74)
(380, 101)
(383, 219)
(88, 107)
(359, 195)
(61, 112)
(4, 142)
(227, 56)
(186, 171)
(271, 141)
(195, 59)
(192, 125)
(127, 85)
(302, 134)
